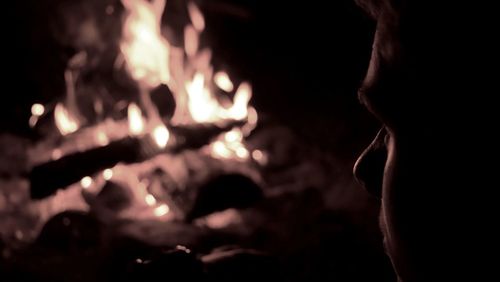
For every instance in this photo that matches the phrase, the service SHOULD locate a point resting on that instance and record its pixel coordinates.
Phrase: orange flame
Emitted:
(191, 40)
(223, 82)
(135, 121)
(65, 122)
(196, 17)
(146, 51)
(150, 200)
(161, 135)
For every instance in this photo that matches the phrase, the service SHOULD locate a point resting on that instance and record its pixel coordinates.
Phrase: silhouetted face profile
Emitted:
(421, 85)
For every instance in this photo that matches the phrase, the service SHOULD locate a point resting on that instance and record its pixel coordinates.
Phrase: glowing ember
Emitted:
(161, 135)
(242, 153)
(233, 136)
(223, 82)
(146, 52)
(86, 182)
(65, 122)
(56, 154)
(135, 121)
(239, 110)
(162, 210)
(102, 138)
(150, 200)
(257, 155)
(196, 17)
(37, 110)
(219, 150)
(107, 174)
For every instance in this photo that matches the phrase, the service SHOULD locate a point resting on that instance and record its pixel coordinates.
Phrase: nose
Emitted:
(369, 168)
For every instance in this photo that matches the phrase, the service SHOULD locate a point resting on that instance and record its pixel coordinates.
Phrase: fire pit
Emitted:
(135, 138)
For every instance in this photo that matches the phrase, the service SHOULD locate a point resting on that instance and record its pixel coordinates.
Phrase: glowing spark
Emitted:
(161, 210)
(86, 182)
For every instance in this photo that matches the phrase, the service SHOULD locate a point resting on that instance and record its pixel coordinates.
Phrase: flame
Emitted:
(223, 82)
(233, 136)
(161, 135)
(65, 122)
(239, 110)
(230, 146)
(191, 40)
(102, 138)
(205, 108)
(196, 17)
(150, 200)
(150, 57)
(161, 210)
(135, 121)
(146, 52)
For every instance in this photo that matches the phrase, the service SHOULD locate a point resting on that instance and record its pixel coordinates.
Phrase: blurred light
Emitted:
(161, 210)
(86, 182)
(107, 174)
(222, 80)
(150, 200)
(242, 153)
(56, 154)
(37, 109)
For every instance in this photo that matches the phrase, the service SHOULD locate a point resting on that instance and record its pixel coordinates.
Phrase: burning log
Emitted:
(48, 177)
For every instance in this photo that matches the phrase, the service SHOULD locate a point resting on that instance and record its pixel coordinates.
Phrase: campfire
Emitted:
(149, 162)
(136, 140)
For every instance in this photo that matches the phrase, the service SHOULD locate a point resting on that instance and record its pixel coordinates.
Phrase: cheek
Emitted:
(389, 217)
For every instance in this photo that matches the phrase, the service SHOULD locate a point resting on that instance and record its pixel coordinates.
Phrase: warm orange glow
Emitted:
(223, 219)
(191, 40)
(233, 136)
(242, 153)
(260, 157)
(222, 80)
(161, 210)
(56, 154)
(161, 135)
(135, 120)
(219, 150)
(37, 109)
(32, 121)
(102, 138)
(239, 110)
(86, 182)
(205, 108)
(145, 51)
(150, 200)
(201, 105)
(196, 17)
(65, 122)
(107, 174)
